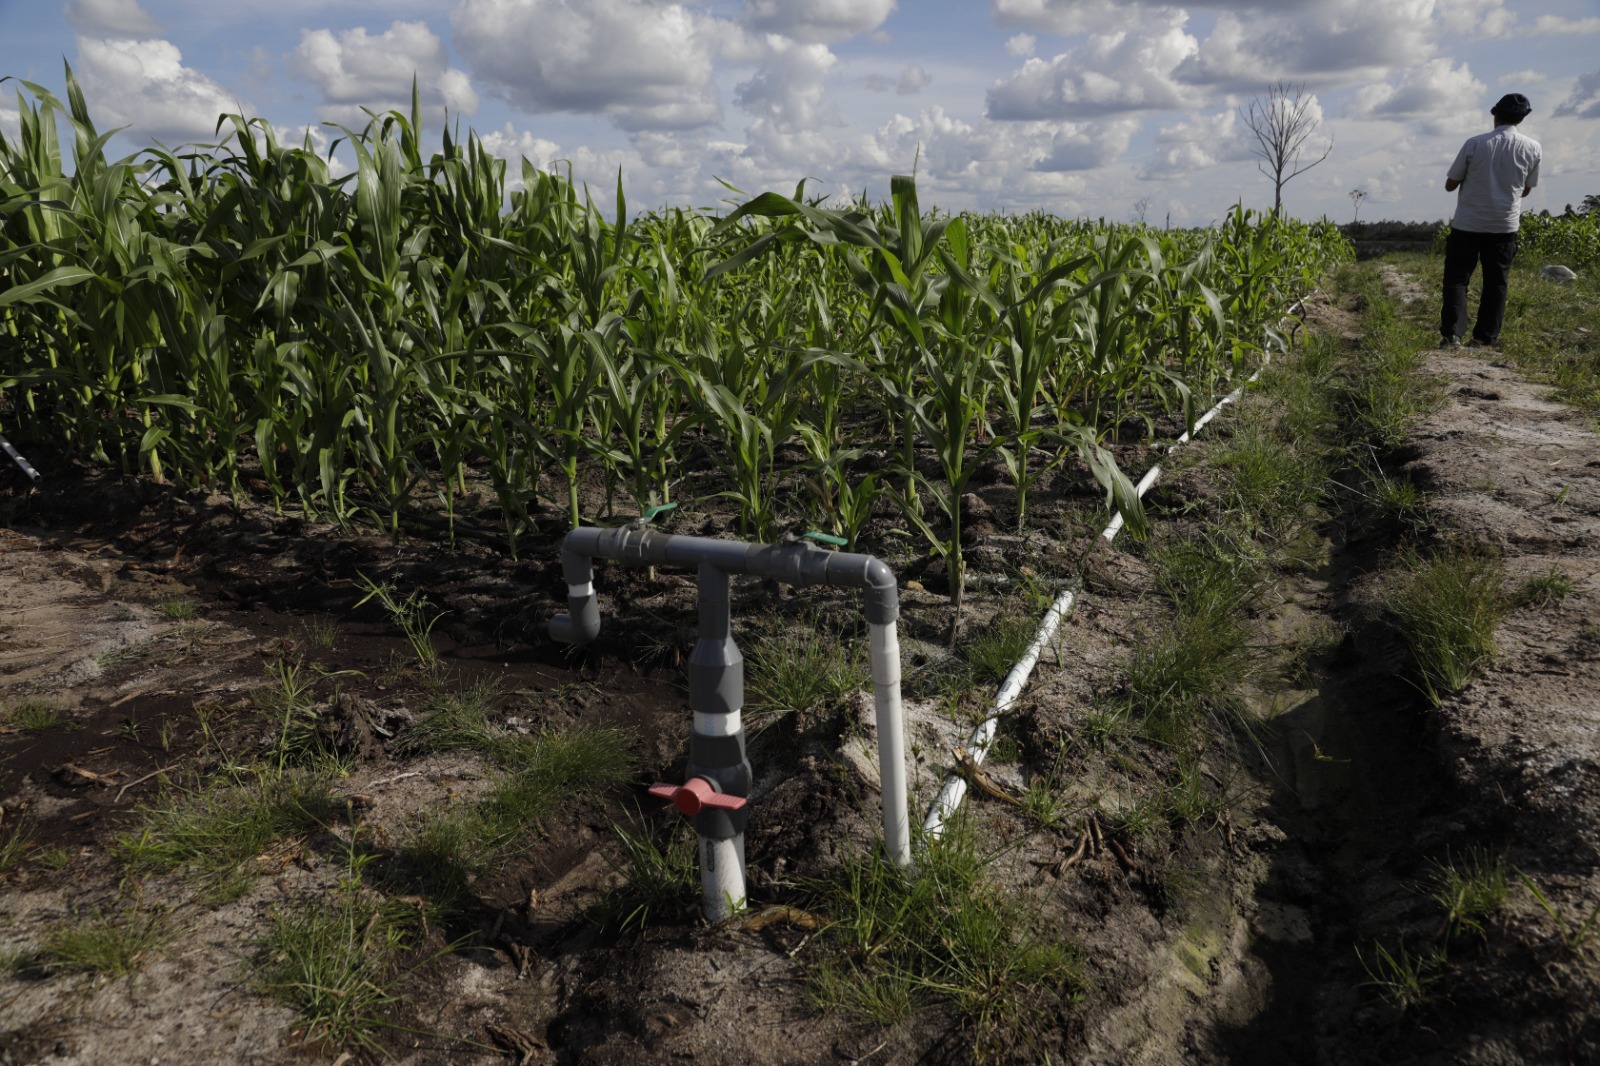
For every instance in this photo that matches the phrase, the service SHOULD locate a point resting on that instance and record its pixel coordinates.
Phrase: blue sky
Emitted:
(1081, 107)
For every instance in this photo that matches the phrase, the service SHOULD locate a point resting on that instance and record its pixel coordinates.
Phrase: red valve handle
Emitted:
(695, 794)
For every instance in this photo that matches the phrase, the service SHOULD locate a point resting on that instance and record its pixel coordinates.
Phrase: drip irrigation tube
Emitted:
(954, 789)
(16, 457)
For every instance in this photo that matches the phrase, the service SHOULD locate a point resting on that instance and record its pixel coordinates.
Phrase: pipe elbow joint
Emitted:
(581, 622)
(882, 593)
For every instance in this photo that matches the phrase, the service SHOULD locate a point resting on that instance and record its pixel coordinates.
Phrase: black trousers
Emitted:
(1463, 251)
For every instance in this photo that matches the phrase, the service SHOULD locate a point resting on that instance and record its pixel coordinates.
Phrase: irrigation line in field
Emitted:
(16, 457)
(954, 789)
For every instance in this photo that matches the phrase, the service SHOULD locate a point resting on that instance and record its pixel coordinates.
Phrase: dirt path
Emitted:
(1378, 794)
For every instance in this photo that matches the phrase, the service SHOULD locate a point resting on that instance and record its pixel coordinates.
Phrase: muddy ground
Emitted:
(1247, 937)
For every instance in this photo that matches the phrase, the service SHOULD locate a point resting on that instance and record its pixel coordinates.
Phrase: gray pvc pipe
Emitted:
(796, 562)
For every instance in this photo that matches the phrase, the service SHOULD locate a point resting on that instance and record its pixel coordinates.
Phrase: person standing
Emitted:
(1494, 172)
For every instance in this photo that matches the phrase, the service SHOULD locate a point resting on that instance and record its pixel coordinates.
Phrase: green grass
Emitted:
(457, 721)
(1404, 979)
(179, 608)
(993, 649)
(659, 876)
(34, 716)
(449, 850)
(16, 845)
(1445, 607)
(1470, 890)
(1544, 590)
(950, 935)
(802, 670)
(217, 833)
(104, 945)
(1573, 932)
(335, 957)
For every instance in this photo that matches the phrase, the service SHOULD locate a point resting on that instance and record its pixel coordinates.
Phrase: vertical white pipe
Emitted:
(885, 642)
(721, 877)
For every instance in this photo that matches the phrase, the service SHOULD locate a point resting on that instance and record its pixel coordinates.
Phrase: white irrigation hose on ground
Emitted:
(954, 789)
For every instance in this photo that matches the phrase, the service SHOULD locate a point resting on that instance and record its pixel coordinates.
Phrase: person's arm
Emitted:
(1458, 169)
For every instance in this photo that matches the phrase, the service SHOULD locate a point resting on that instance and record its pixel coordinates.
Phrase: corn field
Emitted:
(423, 338)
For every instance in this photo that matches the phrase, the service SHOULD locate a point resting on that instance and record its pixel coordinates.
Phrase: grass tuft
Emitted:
(1469, 891)
(1544, 590)
(948, 934)
(220, 834)
(106, 946)
(1446, 608)
(34, 716)
(659, 878)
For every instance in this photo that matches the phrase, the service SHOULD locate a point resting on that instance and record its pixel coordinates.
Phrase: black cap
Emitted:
(1512, 106)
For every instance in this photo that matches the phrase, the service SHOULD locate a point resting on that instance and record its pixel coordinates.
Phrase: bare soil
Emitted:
(1246, 938)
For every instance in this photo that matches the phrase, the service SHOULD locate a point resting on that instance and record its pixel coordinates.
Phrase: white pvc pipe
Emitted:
(954, 789)
(955, 786)
(721, 877)
(885, 643)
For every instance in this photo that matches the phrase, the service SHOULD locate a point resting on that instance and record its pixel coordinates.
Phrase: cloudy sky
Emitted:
(1095, 107)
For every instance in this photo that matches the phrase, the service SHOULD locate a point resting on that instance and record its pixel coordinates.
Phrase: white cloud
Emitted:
(1441, 96)
(1335, 42)
(10, 122)
(1067, 18)
(1088, 146)
(1523, 77)
(1129, 70)
(787, 91)
(912, 80)
(1479, 18)
(1198, 143)
(354, 69)
(645, 64)
(1022, 45)
(1585, 99)
(817, 21)
(1556, 26)
(144, 84)
(104, 19)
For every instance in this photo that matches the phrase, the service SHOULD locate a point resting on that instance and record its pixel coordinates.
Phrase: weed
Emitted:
(1401, 978)
(15, 847)
(996, 648)
(333, 959)
(321, 632)
(178, 608)
(106, 946)
(1544, 590)
(220, 834)
(1103, 725)
(948, 934)
(803, 671)
(1398, 502)
(1446, 609)
(1043, 805)
(458, 721)
(1573, 934)
(450, 850)
(122, 613)
(413, 616)
(659, 879)
(1469, 891)
(34, 716)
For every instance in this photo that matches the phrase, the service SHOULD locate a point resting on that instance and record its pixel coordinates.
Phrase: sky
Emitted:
(1102, 108)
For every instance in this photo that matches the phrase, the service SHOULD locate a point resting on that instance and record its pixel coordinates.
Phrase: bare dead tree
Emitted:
(1356, 196)
(1282, 123)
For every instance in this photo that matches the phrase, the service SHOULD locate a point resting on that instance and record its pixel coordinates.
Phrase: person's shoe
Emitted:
(1449, 342)
(1479, 342)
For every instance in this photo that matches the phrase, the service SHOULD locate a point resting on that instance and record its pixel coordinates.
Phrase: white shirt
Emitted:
(1493, 169)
